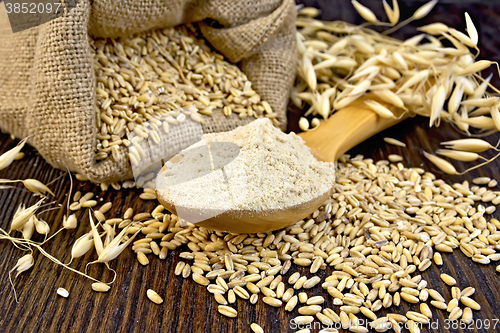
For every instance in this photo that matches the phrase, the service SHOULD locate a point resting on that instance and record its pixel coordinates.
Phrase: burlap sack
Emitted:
(47, 81)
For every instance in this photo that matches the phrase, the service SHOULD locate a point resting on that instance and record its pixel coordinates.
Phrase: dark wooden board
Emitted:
(188, 307)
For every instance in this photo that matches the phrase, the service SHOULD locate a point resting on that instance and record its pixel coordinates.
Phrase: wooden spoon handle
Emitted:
(347, 128)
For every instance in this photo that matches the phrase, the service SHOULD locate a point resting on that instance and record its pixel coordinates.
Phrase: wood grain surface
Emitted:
(188, 307)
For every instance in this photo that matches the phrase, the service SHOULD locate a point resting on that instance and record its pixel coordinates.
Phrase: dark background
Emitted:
(188, 307)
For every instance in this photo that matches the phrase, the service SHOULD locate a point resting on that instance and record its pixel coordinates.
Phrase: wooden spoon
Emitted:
(341, 132)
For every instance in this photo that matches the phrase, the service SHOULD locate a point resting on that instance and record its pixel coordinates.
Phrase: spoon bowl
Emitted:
(245, 220)
(341, 132)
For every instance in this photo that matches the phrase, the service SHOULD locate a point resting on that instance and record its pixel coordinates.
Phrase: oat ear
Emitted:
(365, 13)
(424, 10)
(97, 238)
(9, 156)
(442, 164)
(392, 13)
(113, 249)
(471, 29)
(36, 186)
(22, 217)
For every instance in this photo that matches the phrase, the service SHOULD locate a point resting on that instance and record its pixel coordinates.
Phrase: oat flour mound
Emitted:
(271, 170)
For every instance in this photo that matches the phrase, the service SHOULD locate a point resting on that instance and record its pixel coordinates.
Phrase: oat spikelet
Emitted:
(464, 156)
(434, 28)
(390, 97)
(394, 142)
(471, 29)
(70, 222)
(364, 12)
(395, 9)
(325, 106)
(481, 102)
(23, 264)
(9, 156)
(456, 43)
(475, 67)
(398, 58)
(41, 226)
(29, 228)
(424, 10)
(461, 37)
(392, 13)
(459, 119)
(479, 92)
(360, 88)
(97, 238)
(368, 71)
(417, 15)
(437, 104)
(442, 164)
(309, 11)
(310, 74)
(473, 145)
(36, 187)
(378, 108)
(82, 245)
(32, 185)
(414, 41)
(456, 97)
(110, 234)
(338, 46)
(417, 78)
(495, 115)
(325, 64)
(114, 248)
(23, 216)
(343, 102)
(481, 122)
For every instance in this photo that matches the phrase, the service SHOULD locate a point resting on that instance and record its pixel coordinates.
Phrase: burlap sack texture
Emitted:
(47, 81)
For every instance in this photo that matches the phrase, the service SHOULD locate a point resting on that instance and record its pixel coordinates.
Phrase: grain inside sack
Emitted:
(150, 82)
